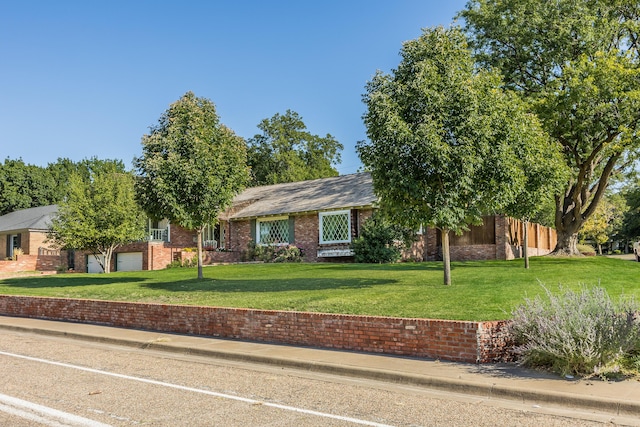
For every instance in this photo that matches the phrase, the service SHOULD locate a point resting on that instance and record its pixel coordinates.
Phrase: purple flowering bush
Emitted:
(582, 332)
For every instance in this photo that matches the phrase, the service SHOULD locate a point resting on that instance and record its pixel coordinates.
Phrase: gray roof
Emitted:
(340, 192)
(28, 219)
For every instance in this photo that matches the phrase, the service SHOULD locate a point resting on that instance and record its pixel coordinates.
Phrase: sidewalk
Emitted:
(499, 381)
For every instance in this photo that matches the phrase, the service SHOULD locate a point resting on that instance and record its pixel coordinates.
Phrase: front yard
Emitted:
(486, 290)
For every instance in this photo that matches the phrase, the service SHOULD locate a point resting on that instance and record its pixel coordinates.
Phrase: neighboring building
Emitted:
(23, 245)
(164, 243)
(320, 216)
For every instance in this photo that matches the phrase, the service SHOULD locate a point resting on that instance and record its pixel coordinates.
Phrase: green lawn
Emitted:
(486, 290)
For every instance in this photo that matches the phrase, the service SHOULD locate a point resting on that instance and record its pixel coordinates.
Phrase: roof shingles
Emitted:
(28, 219)
(341, 192)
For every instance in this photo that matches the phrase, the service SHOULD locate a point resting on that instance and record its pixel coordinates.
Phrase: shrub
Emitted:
(174, 264)
(585, 249)
(289, 253)
(581, 333)
(186, 263)
(380, 241)
(274, 253)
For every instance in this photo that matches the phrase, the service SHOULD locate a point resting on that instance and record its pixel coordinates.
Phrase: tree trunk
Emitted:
(580, 200)
(567, 243)
(446, 258)
(525, 242)
(107, 260)
(199, 234)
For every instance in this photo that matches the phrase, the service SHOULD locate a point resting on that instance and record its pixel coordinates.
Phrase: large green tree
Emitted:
(191, 167)
(25, 186)
(576, 64)
(99, 214)
(286, 152)
(443, 137)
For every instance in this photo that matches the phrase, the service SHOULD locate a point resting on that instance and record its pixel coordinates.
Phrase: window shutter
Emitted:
(292, 228)
(252, 226)
(19, 239)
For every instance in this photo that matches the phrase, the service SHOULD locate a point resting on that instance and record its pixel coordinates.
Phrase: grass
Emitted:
(486, 290)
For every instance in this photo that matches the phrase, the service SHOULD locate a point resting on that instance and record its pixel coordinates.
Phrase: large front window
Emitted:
(335, 227)
(272, 231)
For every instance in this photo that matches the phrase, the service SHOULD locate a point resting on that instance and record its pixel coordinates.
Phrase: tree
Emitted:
(606, 221)
(443, 137)
(286, 152)
(99, 214)
(576, 63)
(543, 180)
(25, 186)
(631, 222)
(191, 167)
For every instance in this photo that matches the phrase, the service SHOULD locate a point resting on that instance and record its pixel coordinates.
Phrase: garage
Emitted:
(93, 266)
(129, 261)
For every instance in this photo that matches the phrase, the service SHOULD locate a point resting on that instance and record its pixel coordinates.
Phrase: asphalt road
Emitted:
(54, 381)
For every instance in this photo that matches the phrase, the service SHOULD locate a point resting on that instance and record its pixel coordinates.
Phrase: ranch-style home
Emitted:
(23, 245)
(321, 216)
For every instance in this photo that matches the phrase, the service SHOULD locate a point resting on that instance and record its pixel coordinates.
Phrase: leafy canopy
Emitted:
(191, 165)
(443, 136)
(576, 63)
(286, 152)
(25, 186)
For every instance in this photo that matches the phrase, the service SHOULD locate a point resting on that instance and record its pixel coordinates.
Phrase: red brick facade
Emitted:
(505, 242)
(48, 263)
(37, 254)
(459, 341)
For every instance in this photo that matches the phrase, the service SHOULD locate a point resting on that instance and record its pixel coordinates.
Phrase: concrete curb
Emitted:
(485, 390)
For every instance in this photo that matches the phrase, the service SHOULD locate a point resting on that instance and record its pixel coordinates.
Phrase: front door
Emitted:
(12, 243)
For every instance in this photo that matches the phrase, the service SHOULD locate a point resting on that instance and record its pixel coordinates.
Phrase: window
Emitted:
(335, 227)
(213, 236)
(272, 231)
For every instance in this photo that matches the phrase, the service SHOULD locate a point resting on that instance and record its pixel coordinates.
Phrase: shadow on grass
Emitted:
(398, 267)
(66, 280)
(177, 284)
(264, 285)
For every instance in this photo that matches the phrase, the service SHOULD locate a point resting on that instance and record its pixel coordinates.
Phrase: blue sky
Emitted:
(82, 78)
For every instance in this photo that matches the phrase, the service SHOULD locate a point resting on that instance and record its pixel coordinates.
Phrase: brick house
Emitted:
(321, 216)
(23, 245)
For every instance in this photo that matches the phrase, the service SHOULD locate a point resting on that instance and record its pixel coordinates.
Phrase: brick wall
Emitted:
(307, 235)
(507, 245)
(33, 241)
(32, 263)
(460, 341)
(239, 235)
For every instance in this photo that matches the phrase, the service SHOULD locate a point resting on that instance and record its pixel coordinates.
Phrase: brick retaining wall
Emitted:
(459, 341)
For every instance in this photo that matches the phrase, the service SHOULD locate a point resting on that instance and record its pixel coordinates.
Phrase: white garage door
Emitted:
(129, 261)
(93, 266)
